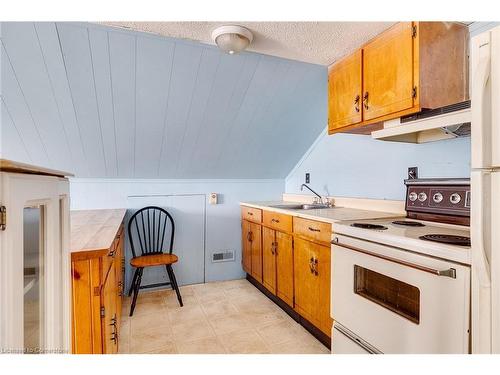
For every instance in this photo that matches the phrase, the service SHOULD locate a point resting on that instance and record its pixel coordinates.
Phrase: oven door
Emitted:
(400, 302)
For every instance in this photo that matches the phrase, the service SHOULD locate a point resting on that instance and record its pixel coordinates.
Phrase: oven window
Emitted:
(394, 295)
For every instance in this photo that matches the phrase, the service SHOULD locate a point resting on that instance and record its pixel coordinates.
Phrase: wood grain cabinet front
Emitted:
(97, 281)
(289, 258)
(312, 283)
(277, 263)
(408, 68)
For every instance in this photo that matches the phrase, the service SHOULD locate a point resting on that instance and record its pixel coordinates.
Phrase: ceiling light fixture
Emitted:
(232, 39)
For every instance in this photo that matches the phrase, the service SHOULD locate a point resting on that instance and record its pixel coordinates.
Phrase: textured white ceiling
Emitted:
(314, 42)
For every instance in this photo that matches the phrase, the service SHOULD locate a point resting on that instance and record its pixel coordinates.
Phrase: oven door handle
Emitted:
(450, 272)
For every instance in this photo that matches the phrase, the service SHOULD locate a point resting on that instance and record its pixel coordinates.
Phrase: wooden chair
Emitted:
(152, 229)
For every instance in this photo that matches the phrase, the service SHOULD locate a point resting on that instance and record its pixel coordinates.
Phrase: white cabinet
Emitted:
(34, 260)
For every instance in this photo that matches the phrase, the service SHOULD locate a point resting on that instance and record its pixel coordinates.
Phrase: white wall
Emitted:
(358, 166)
(222, 221)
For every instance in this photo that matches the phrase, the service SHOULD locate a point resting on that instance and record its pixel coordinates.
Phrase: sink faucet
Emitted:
(312, 191)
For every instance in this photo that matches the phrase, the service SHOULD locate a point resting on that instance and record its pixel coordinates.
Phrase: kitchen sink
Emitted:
(306, 206)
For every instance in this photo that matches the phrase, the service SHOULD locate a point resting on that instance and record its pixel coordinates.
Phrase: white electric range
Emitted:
(402, 285)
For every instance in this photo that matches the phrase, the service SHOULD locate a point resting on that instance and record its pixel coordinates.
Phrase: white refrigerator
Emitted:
(485, 192)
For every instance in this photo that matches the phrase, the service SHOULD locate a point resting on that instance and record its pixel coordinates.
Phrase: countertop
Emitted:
(93, 232)
(329, 215)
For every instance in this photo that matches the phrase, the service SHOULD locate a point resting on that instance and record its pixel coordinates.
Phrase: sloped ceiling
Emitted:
(104, 102)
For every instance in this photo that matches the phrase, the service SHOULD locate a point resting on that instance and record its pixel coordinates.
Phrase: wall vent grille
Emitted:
(223, 256)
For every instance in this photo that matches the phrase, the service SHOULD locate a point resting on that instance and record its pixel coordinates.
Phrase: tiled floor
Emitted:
(222, 317)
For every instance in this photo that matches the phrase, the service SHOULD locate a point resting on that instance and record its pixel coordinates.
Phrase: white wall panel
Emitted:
(105, 102)
(19, 111)
(77, 56)
(56, 70)
(122, 50)
(154, 73)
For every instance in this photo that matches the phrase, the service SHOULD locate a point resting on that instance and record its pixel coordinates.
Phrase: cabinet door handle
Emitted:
(356, 103)
(316, 273)
(365, 100)
(311, 265)
(314, 229)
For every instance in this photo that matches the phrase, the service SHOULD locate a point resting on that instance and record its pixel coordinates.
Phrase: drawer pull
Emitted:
(275, 221)
(314, 229)
(250, 213)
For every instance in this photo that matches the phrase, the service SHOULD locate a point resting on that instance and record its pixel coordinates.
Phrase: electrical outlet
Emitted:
(412, 173)
(308, 178)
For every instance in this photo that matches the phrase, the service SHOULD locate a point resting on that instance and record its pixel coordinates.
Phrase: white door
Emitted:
(485, 239)
(485, 101)
(34, 264)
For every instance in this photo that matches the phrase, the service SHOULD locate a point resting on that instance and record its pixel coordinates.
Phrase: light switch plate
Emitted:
(212, 199)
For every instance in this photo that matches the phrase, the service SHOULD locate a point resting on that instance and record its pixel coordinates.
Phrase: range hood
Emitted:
(447, 122)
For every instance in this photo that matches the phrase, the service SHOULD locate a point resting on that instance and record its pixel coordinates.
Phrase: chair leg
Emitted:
(134, 279)
(136, 290)
(173, 280)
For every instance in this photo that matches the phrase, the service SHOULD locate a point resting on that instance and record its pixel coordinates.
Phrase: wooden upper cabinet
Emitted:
(345, 91)
(411, 67)
(388, 79)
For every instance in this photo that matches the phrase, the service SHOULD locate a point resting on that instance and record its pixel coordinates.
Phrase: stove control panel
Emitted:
(439, 199)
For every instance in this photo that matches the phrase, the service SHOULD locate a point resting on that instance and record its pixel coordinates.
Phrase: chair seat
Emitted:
(153, 260)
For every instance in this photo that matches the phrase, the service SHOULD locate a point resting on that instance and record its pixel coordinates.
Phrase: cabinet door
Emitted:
(268, 259)
(119, 268)
(284, 267)
(344, 92)
(324, 275)
(246, 249)
(109, 321)
(307, 284)
(256, 246)
(388, 72)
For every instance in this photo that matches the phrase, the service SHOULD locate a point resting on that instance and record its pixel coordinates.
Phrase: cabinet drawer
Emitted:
(314, 230)
(251, 214)
(277, 221)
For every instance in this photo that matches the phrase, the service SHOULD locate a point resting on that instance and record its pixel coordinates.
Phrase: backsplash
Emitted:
(358, 166)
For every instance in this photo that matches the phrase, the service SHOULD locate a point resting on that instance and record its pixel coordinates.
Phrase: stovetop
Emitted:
(397, 233)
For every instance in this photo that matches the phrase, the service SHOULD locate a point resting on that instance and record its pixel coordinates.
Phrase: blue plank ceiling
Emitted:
(104, 102)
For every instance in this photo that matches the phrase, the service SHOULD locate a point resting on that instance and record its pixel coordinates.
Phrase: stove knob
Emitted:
(413, 196)
(422, 197)
(437, 197)
(455, 198)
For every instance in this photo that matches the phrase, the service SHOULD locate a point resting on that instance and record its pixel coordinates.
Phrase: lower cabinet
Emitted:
(312, 283)
(252, 249)
(277, 263)
(290, 257)
(97, 288)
